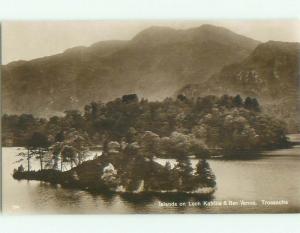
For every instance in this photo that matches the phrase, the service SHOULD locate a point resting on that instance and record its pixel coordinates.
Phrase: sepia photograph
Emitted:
(150, 116)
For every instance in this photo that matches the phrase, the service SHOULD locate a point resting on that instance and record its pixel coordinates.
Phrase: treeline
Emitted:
(124, 168)
(198, 127)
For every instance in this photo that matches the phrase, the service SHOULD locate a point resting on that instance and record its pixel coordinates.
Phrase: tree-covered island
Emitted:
(133, 133)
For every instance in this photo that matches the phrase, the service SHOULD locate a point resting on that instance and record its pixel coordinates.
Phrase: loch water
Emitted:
(270, 183)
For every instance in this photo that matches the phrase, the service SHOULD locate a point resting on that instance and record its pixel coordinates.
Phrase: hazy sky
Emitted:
(28, 40)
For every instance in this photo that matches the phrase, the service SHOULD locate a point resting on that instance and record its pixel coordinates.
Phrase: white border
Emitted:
(146, 9)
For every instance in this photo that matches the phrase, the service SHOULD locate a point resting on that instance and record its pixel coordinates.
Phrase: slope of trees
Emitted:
(180, 127)
(133, 133)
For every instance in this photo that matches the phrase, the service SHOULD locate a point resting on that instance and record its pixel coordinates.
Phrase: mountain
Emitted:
(154, 64)
(270, 73)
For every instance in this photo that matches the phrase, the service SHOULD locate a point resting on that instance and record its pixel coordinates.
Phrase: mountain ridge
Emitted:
(270, 73)
(153, 68)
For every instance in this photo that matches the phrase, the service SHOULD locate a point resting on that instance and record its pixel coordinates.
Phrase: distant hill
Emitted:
(154, 64)
(271, 73)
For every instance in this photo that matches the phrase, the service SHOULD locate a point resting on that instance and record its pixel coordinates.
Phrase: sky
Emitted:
(26, 40)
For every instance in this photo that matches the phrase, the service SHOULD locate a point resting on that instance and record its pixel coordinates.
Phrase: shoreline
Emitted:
(68, 181)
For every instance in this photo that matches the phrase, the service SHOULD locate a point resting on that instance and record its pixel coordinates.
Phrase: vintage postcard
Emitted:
(110, 117)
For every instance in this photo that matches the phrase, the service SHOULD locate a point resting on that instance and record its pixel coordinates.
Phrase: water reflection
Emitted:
(275, 175)
(108, 198)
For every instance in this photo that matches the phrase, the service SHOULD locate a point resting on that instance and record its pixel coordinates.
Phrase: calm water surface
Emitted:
(275, 176)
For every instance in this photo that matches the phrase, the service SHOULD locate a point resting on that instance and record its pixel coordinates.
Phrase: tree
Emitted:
(168, 177)
(206, 103)
(225, 101)
(182, 98)
(204, 173)
(248, 103)
(59, 137)
(21, 168)
(184, 172)
(238, 101)
(149, 144)
(26, 122)
(198, 147)
(252, 104)
(81, 146)
(74, 119)
(68, 154)
(56, 151)
(39, 143)
(26, 155)
(255, 105)
(130, 98)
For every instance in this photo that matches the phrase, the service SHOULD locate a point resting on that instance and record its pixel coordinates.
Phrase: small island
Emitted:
(123, 169)
(132, 134)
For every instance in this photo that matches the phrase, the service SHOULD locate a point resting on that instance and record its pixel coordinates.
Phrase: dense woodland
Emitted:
(131, 133)
(181, 127)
